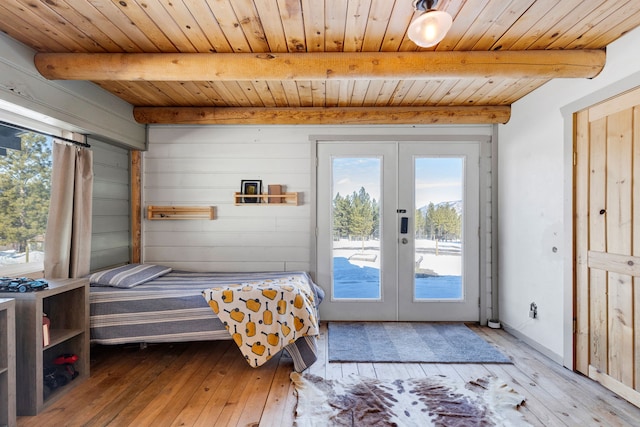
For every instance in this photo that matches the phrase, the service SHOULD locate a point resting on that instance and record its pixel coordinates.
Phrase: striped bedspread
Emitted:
(170, 308)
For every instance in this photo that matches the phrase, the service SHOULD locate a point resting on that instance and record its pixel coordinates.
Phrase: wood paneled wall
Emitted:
(110, 238)
(203, 165)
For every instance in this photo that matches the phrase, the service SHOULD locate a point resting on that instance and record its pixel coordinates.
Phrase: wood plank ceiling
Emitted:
(316, 61)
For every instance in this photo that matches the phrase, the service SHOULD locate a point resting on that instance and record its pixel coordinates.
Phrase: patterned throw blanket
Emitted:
(266, 316)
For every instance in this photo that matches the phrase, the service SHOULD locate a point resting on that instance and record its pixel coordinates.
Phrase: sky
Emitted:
(438, 179)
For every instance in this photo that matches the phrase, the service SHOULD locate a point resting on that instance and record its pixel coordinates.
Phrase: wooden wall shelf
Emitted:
(284, 199)
(180, 212)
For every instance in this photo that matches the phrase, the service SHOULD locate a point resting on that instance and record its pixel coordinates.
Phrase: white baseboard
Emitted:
(557, 358)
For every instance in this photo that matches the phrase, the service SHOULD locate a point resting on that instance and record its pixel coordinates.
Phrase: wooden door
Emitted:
(607, 244)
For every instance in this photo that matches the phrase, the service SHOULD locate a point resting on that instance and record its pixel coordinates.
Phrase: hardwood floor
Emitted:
(210, 384)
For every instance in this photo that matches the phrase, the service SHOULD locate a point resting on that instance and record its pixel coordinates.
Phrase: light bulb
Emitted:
(430, 28)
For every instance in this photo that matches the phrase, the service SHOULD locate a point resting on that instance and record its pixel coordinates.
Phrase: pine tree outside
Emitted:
(356, 229)
(25, 188)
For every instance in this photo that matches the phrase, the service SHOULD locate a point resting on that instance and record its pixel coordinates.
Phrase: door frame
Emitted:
(602, 262)
(568, 111)
(488, 182)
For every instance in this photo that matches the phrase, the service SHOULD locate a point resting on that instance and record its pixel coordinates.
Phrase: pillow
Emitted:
(128, 276)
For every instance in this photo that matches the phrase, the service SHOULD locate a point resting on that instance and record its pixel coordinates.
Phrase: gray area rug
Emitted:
(409, 342)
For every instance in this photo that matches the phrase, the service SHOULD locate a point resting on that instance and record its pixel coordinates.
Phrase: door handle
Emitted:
(404, 240)
(404, 225)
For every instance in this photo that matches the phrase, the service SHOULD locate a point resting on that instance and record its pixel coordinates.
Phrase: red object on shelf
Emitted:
(66, 359)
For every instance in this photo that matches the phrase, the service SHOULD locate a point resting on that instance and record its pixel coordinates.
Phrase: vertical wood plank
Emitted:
(76, 17)
(174, 19)
(619, 152)
(377, 23)
(335, 22)
(229, 25)
(305, 93)
(503, 23)
(318, 91)
(313, 20)
(581, 233)
(608, 28)
(399, 21)
(552, 14)
(209, 26)
(123, 14)
(40, 16)
(277, 92)
(356, 25)
(249, 20)
(273, 24)
(636, 241)
(136, 206)
(597, 242)
(485, 22)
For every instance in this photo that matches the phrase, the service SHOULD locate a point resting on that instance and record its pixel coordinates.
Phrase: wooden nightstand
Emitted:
(66, 303)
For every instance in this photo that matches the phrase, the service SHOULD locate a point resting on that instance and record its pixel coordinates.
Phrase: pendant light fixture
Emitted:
(429, 28)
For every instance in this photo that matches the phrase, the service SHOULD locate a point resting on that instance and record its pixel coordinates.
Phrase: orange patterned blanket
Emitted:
(265, 316)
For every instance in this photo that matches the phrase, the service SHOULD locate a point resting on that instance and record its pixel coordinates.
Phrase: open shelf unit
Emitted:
(284, 199)
(66, 303)
(180, 212)
(7, 363)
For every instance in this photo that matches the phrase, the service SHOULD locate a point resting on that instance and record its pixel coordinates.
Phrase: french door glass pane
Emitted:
(438, 228)
(355, 218)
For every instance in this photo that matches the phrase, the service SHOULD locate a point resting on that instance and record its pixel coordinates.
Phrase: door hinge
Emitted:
(575, 158)
(575, 325)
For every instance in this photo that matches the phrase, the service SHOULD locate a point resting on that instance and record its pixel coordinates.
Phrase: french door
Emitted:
(398, 230)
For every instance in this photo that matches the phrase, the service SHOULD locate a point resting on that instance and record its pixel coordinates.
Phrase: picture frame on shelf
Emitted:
(251, 187)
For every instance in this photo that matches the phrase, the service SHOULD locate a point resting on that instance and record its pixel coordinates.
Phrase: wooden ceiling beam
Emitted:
(530, 64)
(321, 116)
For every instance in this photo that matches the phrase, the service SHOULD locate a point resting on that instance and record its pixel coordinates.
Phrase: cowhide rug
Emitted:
(431, 401)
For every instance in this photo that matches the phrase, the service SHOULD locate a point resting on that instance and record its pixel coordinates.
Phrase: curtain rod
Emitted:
(82, 144)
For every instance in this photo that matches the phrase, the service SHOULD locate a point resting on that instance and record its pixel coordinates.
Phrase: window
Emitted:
(25, 186)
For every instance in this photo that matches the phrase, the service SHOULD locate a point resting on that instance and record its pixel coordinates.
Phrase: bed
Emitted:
(143, 303)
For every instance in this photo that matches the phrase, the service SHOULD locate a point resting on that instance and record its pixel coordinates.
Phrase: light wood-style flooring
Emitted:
(210, 384)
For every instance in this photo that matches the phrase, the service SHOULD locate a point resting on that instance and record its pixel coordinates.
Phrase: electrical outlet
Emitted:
(533, 310)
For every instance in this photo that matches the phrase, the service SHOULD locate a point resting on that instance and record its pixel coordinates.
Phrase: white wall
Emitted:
(535, 166)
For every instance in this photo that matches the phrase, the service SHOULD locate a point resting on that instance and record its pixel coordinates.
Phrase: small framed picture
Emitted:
(251, 187)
